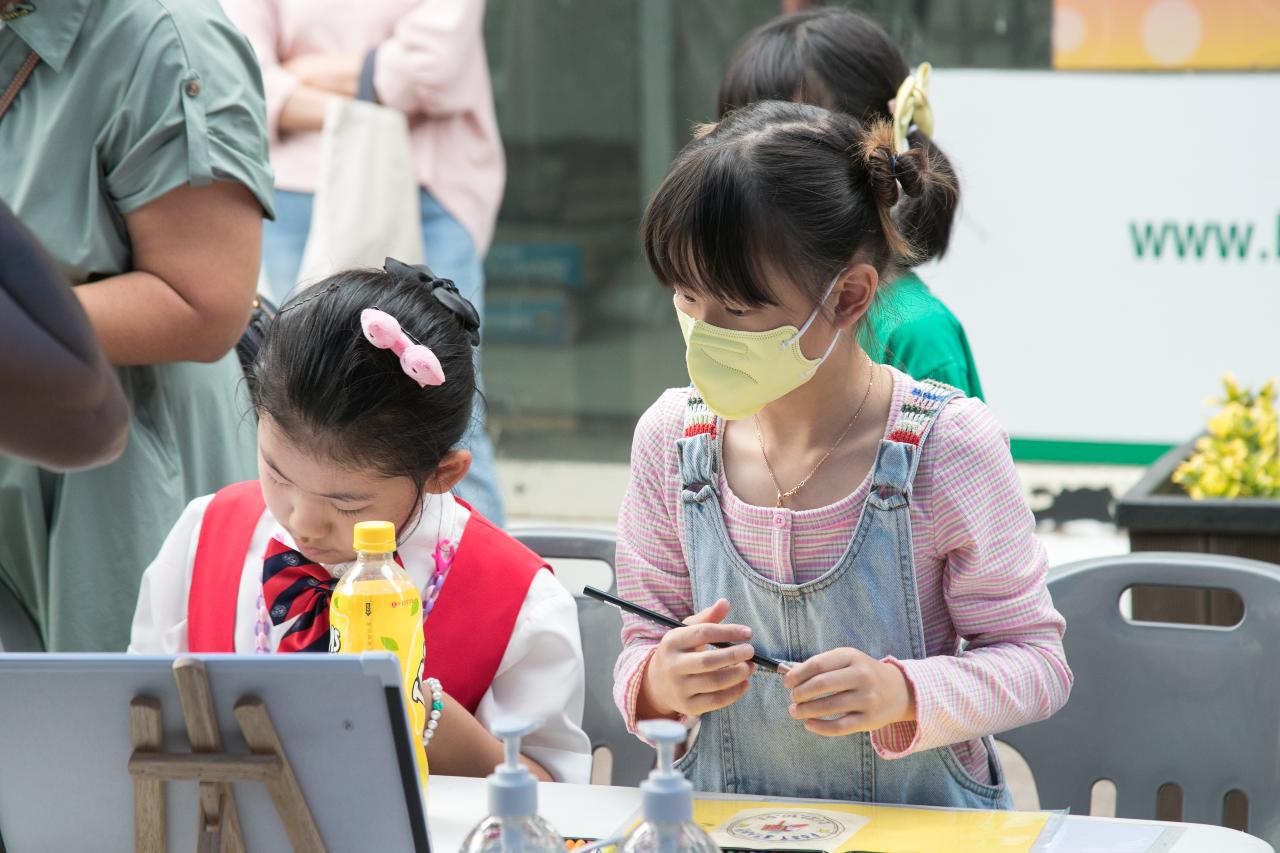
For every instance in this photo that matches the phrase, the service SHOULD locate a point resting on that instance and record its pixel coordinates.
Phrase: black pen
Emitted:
(765, 663)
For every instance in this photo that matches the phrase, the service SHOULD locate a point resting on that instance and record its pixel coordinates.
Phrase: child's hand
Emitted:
(869, 694)
(686, 677)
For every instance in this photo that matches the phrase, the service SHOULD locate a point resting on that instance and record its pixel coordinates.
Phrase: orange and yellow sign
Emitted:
(1162, 35)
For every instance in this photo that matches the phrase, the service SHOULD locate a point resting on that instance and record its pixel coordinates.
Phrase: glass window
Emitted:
(594, 98)
(969, 33)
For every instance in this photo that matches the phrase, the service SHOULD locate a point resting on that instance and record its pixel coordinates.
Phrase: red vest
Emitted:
(470, 624)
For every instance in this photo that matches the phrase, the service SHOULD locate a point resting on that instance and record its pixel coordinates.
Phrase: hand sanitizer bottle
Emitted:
(513, 824)
(668, 825)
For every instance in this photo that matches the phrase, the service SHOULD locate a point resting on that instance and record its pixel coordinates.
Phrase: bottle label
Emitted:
(382, 616)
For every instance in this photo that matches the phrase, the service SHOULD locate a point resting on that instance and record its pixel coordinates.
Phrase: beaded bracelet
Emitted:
(437, 707)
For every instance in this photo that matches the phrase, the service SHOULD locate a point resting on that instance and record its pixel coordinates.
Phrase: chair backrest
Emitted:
(601, 629)
(18, 632)
(1155, 704)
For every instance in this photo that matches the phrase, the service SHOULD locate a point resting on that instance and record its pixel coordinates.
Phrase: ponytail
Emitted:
(929, 185)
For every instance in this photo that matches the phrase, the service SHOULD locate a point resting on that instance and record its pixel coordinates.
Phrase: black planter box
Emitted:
(1160, 516)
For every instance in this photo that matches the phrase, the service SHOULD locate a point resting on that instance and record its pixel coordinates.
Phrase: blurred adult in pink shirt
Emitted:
(425, 58)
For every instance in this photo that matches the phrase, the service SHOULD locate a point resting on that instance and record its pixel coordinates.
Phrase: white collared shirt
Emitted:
(541, 674)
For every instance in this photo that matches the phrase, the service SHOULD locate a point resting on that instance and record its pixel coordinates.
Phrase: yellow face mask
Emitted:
(739, 373)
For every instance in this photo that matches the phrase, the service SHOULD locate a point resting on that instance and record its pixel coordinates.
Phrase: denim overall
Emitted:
(867, 601)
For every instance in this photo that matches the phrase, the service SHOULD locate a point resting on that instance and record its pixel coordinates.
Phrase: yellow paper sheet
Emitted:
(888, 829)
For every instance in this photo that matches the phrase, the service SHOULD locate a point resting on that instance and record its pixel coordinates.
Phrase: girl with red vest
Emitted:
(363, 390)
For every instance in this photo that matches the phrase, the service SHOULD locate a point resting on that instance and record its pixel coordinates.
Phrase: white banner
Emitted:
(1118, 246)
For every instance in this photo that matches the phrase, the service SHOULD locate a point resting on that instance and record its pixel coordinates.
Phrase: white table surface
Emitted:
(455, 805)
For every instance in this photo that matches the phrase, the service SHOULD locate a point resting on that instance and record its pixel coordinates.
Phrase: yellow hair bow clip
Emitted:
(911, 106)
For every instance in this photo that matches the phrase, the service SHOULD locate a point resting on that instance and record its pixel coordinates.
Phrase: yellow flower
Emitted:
(1240, 457)
(1220, 424)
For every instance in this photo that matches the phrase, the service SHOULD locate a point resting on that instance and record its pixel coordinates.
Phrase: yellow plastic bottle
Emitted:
(377, 608)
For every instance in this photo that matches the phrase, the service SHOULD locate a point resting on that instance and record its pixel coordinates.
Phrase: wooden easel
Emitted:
(218, 826)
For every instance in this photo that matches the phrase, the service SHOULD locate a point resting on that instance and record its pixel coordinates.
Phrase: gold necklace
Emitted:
(790, 493)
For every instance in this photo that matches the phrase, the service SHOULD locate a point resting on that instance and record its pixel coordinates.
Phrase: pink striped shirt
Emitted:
(431, 65)
(980, 574)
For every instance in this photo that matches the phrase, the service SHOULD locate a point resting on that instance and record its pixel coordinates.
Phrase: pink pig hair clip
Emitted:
(384, 332)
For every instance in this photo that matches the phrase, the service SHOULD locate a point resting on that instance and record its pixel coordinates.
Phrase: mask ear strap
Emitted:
(835, 339)
(807, 323)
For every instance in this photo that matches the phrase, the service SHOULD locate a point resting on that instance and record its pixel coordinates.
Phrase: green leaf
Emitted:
(390, 644)
(416, 607)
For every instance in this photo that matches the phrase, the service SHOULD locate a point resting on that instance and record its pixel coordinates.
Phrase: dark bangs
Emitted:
(706, 231)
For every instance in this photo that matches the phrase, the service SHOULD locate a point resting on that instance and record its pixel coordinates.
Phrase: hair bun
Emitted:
(910, 169)
(889, 173)
(881, 168)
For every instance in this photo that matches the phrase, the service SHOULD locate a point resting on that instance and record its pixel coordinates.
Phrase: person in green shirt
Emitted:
(914, 331)
(135, 151)
(837, 59)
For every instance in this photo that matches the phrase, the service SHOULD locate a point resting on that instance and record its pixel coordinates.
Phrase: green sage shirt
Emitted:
(131, 99)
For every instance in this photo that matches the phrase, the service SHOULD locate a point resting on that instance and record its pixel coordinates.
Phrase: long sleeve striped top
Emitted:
(993, 638)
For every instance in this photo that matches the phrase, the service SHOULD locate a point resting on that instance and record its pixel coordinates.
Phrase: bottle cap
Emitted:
(375, 537)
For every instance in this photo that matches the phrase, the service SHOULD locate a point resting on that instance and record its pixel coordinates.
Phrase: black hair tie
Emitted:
(445, 292)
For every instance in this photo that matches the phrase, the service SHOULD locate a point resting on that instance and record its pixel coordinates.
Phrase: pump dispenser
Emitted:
(668, 825)
(513, 824)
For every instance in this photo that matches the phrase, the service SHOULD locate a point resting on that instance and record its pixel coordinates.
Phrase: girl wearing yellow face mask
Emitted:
(861, 524)
(836, 58)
